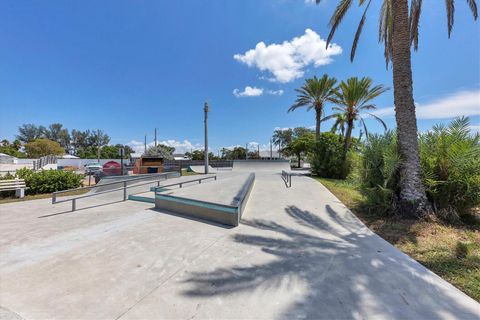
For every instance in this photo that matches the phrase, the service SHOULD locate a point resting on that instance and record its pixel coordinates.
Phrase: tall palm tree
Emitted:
(313, 95)
(398, 30)
(352, 98)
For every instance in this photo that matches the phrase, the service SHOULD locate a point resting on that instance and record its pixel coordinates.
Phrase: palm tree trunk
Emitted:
(412, 198)
(348, 136)
(318, 117)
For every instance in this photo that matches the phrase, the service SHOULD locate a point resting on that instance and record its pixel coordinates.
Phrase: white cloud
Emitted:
(180, 146)
(462, 103)
(248, 92)
(275, 92)
(287, 61)
(255, 92)
(475, 129)
(282, 129)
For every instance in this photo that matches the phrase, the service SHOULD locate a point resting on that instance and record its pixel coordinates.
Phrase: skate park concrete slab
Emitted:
(298, 253)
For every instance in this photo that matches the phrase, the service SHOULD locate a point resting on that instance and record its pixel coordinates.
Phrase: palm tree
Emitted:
(352, 98)
(282, 137)
(313, 95)
(398, 30)
(339, 124)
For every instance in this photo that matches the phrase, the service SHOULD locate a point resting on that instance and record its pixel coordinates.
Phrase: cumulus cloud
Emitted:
(248, 92)
(255, 92)
(462, 103)
(180, 146)
(287, 61)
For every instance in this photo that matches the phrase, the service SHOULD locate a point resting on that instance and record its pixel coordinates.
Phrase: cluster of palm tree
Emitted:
(398, 29)
(351, 99)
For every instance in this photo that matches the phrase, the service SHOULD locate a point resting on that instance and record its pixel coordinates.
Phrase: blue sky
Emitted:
(127, 67)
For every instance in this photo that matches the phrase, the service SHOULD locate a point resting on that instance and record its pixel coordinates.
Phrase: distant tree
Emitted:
(161, 151)
(12, 149)
(98, 139)
(299, 132)
(80, 140)
(300, 146)
(29, 132)
(43, 147)
(238, 153)
(56, 132)
(113, 152)
(282, 137)
(313, 95)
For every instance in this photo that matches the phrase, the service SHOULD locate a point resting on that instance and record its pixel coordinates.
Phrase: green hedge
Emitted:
(48, 181)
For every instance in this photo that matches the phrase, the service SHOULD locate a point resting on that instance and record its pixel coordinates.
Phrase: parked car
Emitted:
(93, 167)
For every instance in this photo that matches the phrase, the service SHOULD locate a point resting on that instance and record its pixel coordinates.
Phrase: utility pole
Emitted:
(145, 145)
(155, 137)
(205, 110)
(258, 150)
(246, 151)
(271, 150)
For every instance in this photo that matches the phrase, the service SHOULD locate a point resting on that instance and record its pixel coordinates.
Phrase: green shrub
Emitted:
(378, 172)
(328, 159)
(450, 157)
(47, 181)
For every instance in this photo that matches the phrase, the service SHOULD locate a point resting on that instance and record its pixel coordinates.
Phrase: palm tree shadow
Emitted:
(345, 270)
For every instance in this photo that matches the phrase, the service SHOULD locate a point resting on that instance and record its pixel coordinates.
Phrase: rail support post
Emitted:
(124, 190)
(74, 204)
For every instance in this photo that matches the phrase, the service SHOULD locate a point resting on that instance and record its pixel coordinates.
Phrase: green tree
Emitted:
(352, 98)
(98, 139)
(313, 95)
(12, 149)
(56, 132)
(398, 30)
(29, 132)
(282, 137)
(300, 146)
(161, 151)
(43, 147)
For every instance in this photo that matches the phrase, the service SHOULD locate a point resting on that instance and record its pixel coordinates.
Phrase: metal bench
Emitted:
(17, 185)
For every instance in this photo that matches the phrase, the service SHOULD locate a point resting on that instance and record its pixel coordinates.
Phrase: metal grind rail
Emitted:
(287, 178)
(180, 184)
(156, 178)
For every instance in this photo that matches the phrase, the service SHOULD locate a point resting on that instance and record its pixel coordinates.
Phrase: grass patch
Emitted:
(41, 196)
(451, 251)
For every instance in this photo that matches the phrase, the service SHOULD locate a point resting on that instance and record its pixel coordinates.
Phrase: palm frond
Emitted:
(359, 31)
(473, 7)
(337, 18)
(379, 120)
(450, 14)
(415, 10)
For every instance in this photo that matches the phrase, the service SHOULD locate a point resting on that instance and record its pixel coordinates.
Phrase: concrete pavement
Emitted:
(298, 253)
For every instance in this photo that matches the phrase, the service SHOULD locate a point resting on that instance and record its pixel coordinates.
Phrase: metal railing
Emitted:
(287, 178)
(124, 186)
(180, 184)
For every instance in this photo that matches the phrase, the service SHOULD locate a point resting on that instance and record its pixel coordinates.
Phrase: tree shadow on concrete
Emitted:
(348, 272)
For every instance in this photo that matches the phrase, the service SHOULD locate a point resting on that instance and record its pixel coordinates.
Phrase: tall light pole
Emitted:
(205, 111)
(155, 137)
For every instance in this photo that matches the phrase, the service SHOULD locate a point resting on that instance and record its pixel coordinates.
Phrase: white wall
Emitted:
(24, 161)
(79, 163)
